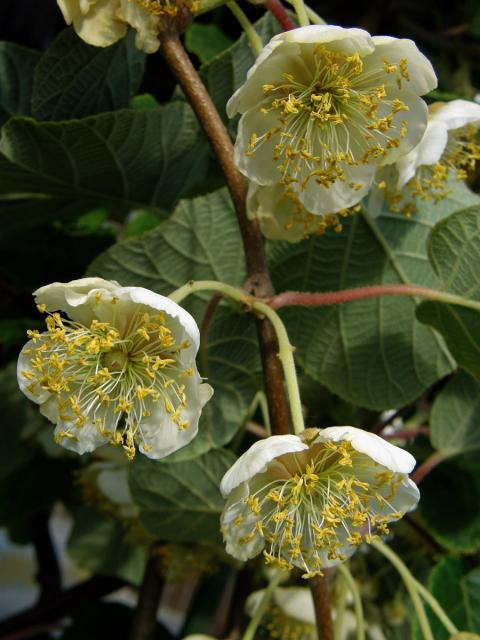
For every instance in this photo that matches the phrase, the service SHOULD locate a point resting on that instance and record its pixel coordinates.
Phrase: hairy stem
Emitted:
(145, 617)
(247, 26)
(259, 281)
(312, 15)
(409, 582)
(299, 298)
(277, 9)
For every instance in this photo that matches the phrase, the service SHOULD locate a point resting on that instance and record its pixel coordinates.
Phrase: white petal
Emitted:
(422, 76)
(373, 446)
(100, 26)
(296, 602)
(319, 199)
(232, 532)
(88, 437)
(256, 459)
(260, 166)
(427, 152)
(159, 435)
(113, 483)
(75, 298)
(274, 213)
(23, 364)
(70, 9)
(144, 23)
(456, 114)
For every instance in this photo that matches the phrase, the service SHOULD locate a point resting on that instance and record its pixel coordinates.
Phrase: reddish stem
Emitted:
(426, 466)
(304, 299)
(277, 9)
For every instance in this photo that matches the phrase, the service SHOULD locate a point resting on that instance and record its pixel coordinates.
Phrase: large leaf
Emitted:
(98, 543)
(459, 595)
(455, 417)
(16, 78)
(181, 502)
(127, 159)
(373, 353)
(200, 241)
(74, 79)
(454, 251)
(449, 504)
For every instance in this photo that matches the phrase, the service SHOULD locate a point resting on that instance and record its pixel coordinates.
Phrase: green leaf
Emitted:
(126, 159)
(200, 241)
(17, 65)
(455, 417)
(458, 594)
(454, 251)
(181, 502)
(98, 544)
(449, 504)
(225, 73)
(206, 40)
(74, 79)
(373, 353)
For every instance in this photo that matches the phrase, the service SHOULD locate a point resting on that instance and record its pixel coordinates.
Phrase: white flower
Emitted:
(448, 151)
(448, 145)
(119, 368)
(324, 106)
(282, 216)
(291, 613)
(308, 501)
(103, 22)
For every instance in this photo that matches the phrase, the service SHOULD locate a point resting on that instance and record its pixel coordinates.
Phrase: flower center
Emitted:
(101, 377)
(343, 116)
(317, 513)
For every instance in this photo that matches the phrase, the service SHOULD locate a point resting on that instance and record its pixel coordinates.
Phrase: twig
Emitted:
(145, 617)
(55, 607)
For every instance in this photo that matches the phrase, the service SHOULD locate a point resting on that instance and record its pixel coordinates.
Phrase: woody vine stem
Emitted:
(259, 283)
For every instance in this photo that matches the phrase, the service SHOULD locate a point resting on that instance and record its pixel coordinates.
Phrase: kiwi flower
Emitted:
(116, 366)
(449, 148)
(309, 501)
(324, 106)
(103, 22)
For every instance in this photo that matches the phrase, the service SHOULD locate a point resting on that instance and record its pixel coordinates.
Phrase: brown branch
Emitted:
(208, 315)
(55, 607)
(259, 282)
(145, 617)
(277, 9)
(321, 600)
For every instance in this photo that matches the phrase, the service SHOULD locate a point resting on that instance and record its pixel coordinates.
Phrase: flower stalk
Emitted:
(247, 26)
(357, 601)
(285, 354)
